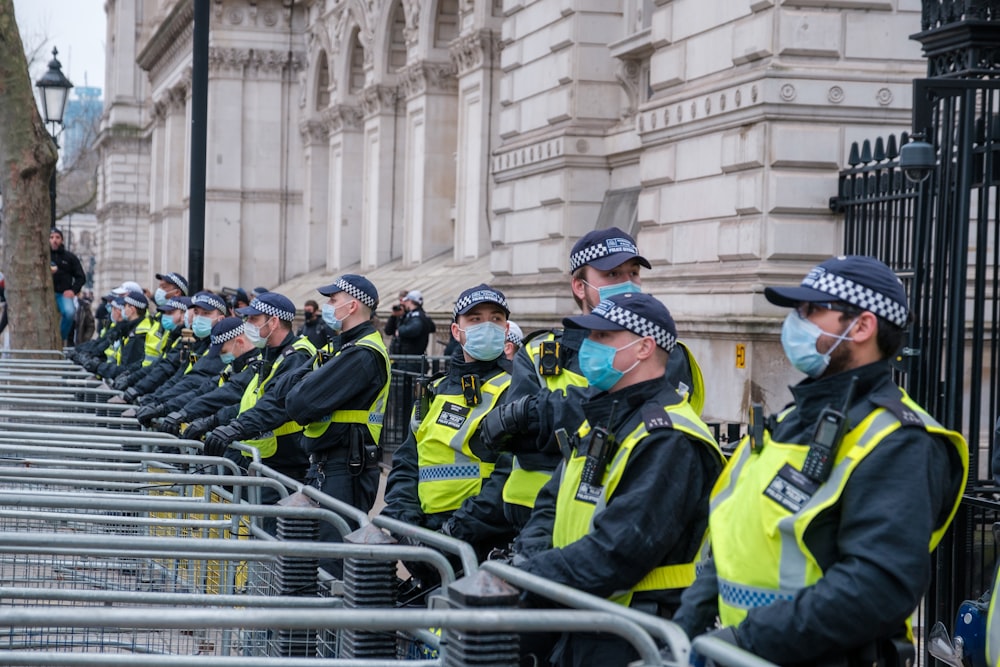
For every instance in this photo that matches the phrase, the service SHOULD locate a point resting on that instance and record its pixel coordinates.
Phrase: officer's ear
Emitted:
(647, 348)
(456, 332)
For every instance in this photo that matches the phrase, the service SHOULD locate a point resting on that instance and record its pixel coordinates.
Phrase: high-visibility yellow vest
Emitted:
(374, 415)
(267, 444)
(758, 543)
(575, 518)
(993, 628)
(449, 471)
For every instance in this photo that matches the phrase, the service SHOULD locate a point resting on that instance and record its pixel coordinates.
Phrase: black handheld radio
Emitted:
(830, 429)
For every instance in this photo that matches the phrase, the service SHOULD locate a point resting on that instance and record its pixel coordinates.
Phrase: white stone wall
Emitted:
(400, 131)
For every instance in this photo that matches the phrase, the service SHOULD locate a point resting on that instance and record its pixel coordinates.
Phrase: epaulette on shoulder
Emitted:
(655, 417)
(289, 351)
(894, 404)
(538, 333)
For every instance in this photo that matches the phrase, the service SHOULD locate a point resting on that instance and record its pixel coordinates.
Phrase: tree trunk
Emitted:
(28, 156)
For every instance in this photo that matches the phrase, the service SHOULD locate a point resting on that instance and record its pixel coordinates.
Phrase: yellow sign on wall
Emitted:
(741, 355)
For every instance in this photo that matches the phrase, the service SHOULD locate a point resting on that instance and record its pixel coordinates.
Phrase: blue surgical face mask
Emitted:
(799, 337)
(227, 357)
(329, 313)
(202, 326)
(253, 333)
(167, 322)
(484, 341)
(160, 296)
(597, 362)
(627, 287)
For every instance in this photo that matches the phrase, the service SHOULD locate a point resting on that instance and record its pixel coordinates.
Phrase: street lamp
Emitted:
(55, 91)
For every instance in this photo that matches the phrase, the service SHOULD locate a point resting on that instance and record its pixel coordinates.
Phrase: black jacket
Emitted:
(413, 332)
(69, 273)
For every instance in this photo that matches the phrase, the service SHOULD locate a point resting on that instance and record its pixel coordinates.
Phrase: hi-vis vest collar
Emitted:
(761, 510)
(575, 518)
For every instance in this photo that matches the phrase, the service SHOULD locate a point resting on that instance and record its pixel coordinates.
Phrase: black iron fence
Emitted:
(407, 370)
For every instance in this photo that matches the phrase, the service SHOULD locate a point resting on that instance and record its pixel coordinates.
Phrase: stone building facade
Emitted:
(434, 143)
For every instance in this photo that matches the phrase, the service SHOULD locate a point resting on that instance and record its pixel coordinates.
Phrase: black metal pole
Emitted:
(199, 140)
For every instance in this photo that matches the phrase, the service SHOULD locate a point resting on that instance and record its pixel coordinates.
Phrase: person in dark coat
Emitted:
(68, 279)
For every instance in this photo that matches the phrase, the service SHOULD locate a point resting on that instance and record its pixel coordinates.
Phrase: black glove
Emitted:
(508, 419)
(147, 413)
(218, 439)
(121, 381)
(200, 427)
(92, 364)
(131, 394)
(172, 422)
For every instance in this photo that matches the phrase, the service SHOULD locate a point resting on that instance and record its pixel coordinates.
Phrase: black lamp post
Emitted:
(55, 91)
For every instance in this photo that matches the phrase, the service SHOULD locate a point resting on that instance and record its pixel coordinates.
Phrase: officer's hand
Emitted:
(131, 395)
(218, 439)
(121, 381)
(507, 420)
(147, 413)
(172, 422)
(200, 427)
(92, 364)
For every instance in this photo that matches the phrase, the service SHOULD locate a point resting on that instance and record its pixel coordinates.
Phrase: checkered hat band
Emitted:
(481, 296)
(514, 338)
(227, 336)
(176, 304)
(180, 282)
(273, 311)
(598, 250)
(844, 289)
(134, 302)
(208, 302)
(358, 294)
(637, 324)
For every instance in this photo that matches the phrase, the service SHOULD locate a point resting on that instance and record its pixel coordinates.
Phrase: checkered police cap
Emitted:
(177, 303)
(514, 333)
(175, 279)
(224, 331)
(356, 286)
(474, 296)
(137, 299)
(271, 304)
(604, 249)
(208, 301)
(863, 282)
(642, 314)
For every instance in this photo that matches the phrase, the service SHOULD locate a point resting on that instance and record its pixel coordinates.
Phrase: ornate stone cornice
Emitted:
(171, 36)
(253, 14)
(342, 117)
(378, 99)
(254, 63)
(427, 77)
(313, 132)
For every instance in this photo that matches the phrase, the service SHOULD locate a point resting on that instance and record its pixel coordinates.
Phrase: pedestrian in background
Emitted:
(68, 279)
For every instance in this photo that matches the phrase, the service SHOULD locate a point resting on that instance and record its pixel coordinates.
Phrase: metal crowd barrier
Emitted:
(120, 545)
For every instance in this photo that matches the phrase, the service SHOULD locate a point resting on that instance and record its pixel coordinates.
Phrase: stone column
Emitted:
(311, 245)
(345, 187)
(380, 242)
(429, 193)
(474, 58)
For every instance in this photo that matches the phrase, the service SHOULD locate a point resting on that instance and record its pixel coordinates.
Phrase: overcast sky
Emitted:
(76, 27)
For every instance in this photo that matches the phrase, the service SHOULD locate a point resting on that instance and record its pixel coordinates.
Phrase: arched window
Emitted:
(397, 40)
(446, 23)
(357, 73)
(322, 82)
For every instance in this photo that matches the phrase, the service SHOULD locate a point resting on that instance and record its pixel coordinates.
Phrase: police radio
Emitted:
(600, 444)
(829, 433)
(549, 358)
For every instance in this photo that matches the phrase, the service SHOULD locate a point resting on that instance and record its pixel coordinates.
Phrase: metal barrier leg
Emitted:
(296, 577)
(368, 584)
(495, 649)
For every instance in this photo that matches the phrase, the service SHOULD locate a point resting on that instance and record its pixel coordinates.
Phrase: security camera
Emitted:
(917, 160)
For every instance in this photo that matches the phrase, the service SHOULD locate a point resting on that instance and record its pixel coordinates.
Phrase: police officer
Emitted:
(129, 349)
(262, 421)
(442, 464)
(340, 399)
(823, 521)
(625, 516)
(206, 411)
(174, 320)
(171, 285)
(413, 330)
(548, 386)
(515, 340)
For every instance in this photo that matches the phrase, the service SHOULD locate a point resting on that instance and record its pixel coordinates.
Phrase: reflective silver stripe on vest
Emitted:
(750, 597)
(792, 566)
(737, 467)
(375, 417)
